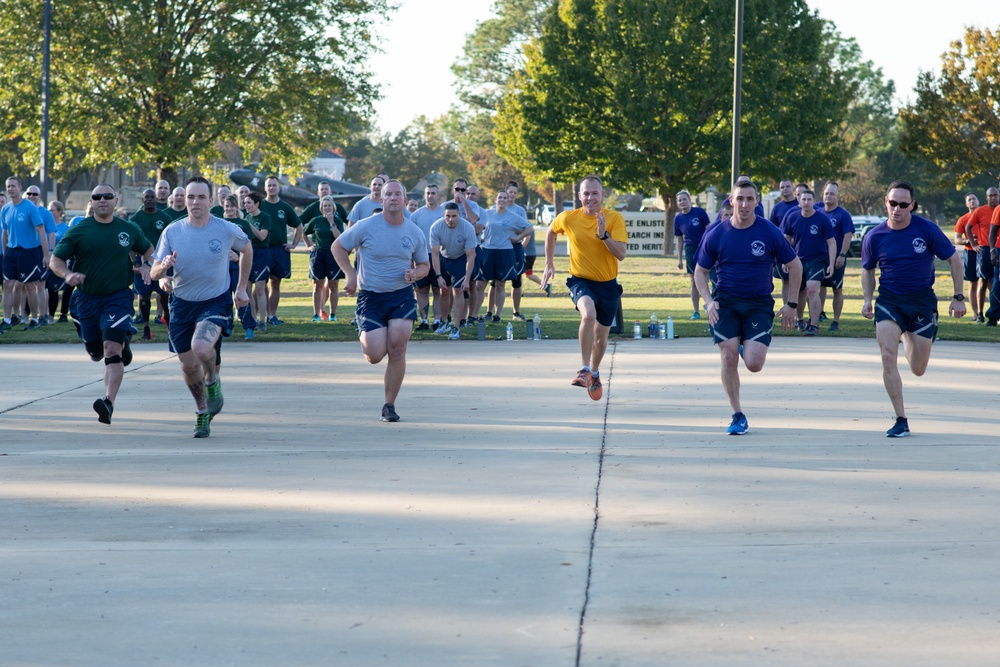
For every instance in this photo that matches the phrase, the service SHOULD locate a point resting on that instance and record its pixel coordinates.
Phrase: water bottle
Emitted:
(654, 326)
(538, 327)
(663, 331)
(510, 331)
(637, 331)
(529, 330)
(670, 328)
(482, 330)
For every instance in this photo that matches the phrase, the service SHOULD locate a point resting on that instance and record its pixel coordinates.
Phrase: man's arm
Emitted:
(970, 234)
(868, 290)
(436, 259)
(680, 250)
(957, 308)
(550, 257)
(470, 265)
(701, 283)
(344, 262)
(831, 248)
(58, 266)
(246, 263)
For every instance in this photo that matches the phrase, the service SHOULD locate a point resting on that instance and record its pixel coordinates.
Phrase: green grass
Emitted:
(651, 284)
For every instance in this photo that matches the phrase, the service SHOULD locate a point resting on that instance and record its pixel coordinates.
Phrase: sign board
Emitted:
(645, 232)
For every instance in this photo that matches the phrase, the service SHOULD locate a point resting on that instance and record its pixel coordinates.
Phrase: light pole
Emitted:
(47, 32)
(737, 90)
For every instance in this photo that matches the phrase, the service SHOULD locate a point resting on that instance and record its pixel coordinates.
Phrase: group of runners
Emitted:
(206, 263)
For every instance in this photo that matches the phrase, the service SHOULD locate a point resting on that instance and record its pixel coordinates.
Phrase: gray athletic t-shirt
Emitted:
(500, 227)
(425, 217)
(363, 209)
(202, 269)
(384, 252)
(453, 242)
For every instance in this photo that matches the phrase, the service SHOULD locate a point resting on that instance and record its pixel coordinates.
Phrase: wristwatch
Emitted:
(605, 237)
(792, 305)
(958, 297)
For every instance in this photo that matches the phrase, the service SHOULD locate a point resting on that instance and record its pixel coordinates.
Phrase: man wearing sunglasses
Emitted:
(25, 253)
(903, 248)
(107, 252)
(40, 318)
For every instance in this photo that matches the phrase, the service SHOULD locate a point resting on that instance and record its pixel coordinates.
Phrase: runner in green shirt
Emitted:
(320, 233)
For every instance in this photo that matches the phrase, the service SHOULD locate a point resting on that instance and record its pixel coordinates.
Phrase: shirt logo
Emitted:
(123, 240)
(407, 243)
(919, 246)
(215, 246)
(159, 225)
(814, 229)
(757, 249)
(281, 215)
(695, 223)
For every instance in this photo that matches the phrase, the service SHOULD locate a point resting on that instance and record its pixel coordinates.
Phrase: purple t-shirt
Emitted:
(842, 222)
(780, 208)
(905, 257)
(744, 258)
(691, 225)
(809, 235)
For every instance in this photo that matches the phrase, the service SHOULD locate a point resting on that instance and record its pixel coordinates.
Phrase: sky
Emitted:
(901, 38)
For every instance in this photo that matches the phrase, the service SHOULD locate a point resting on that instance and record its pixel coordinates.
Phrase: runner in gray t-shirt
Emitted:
(201, 307)
(453, 256)
(365, 208)
(392, 256)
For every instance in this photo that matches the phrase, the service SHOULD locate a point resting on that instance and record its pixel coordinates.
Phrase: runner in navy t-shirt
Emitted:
(743, 251)
(843, 232)
(690, 224)
(903, 248)
(811, 234)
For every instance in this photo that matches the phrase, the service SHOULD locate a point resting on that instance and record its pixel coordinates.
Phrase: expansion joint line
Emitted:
(85, 384)
(597, 505)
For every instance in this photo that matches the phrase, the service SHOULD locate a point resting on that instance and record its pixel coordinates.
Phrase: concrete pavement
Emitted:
(508, 519)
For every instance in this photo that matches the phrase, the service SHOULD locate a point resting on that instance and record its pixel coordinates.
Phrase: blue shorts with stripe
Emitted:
(813, 268)
(745, 319)
(96, 315)
(25, 265)
(453, 271)
(322, 265)
(969, 259)
(185, 316)
(915, 313)
(280, 262)
(376, 309)
(498, 264)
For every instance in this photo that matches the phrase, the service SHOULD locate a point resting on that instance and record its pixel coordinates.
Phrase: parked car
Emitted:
(862, 225)
(549, 212)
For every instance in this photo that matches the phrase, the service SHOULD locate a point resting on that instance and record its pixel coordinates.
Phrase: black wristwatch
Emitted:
(958, 297)
(792, 305)
(605, 237)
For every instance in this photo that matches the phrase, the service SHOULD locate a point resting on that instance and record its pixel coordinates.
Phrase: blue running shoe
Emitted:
(900, 429)
(739, 425)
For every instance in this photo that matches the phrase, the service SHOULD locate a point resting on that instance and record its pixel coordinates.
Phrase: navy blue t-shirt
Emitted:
(780, 208)
(691, 225)
(809, 235)
(905, 257)
(842, 223)
(744, 258)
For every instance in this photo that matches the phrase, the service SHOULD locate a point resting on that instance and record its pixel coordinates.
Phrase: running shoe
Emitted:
(5, 326)
(548, 290)
(739, 425)
(423, 326)
(249, 334)
(822, 316)
(469, 323)
(696, 315)
(595, 389)
(443, 328)
(323, 316)
(389, 413)
(496, 319)
(215, 399)
(138, 319)
(317, 318)
(333, 318)
(146, 333)
(582, 379)
(517, 317)
(454, 335)
(810, 330)
(834, 327)
(43, 321)
(273, 320)
(32, 324)
(127, 351)
(900, 429)
(15, 320)
(104, 409)
(202, 425)
(63, 318)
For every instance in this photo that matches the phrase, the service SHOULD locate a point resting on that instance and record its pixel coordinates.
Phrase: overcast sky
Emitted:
(901, 38)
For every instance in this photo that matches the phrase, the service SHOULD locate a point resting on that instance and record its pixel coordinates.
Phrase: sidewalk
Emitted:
(306, 532)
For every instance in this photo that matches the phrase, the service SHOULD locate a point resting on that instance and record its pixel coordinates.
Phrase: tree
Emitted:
(955, 122)
(165, 81)
(641, 92)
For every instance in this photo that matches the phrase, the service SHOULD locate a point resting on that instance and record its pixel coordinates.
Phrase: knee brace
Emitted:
(112, 360)
(515, 283)
(95, 349)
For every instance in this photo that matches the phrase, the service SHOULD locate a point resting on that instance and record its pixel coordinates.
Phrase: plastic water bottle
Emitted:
(538, 327)
(663, 331)
(529, 330)
(481, 333)
(654, 326)
(510, 331)
(637, 331)
(670, 328)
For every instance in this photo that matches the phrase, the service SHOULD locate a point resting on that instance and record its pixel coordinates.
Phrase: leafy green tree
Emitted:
(955, 121)
(167, 81)
(641, 93)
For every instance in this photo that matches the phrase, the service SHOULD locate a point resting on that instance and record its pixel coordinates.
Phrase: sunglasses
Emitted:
(104, 195)
(899, 204)
(460, 189)
(31, 194)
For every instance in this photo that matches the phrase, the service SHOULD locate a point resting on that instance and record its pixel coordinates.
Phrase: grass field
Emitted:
(651, 284)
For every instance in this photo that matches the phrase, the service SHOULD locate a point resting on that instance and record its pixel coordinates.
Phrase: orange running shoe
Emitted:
(595, 389)
(582, 379)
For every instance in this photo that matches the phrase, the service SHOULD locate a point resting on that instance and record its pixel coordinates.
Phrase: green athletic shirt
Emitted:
(313, 210)
(102, 253)
(261, 221)
(321, 231)
(282, 216)
(175, 215)
(218, 212)
(151, 224)
(245, 226)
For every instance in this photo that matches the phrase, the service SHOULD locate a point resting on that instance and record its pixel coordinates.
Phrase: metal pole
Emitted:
(47, 32)
(737, 90)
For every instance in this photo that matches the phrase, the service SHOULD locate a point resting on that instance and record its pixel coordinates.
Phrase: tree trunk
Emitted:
(669, 210)
(168, 174)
